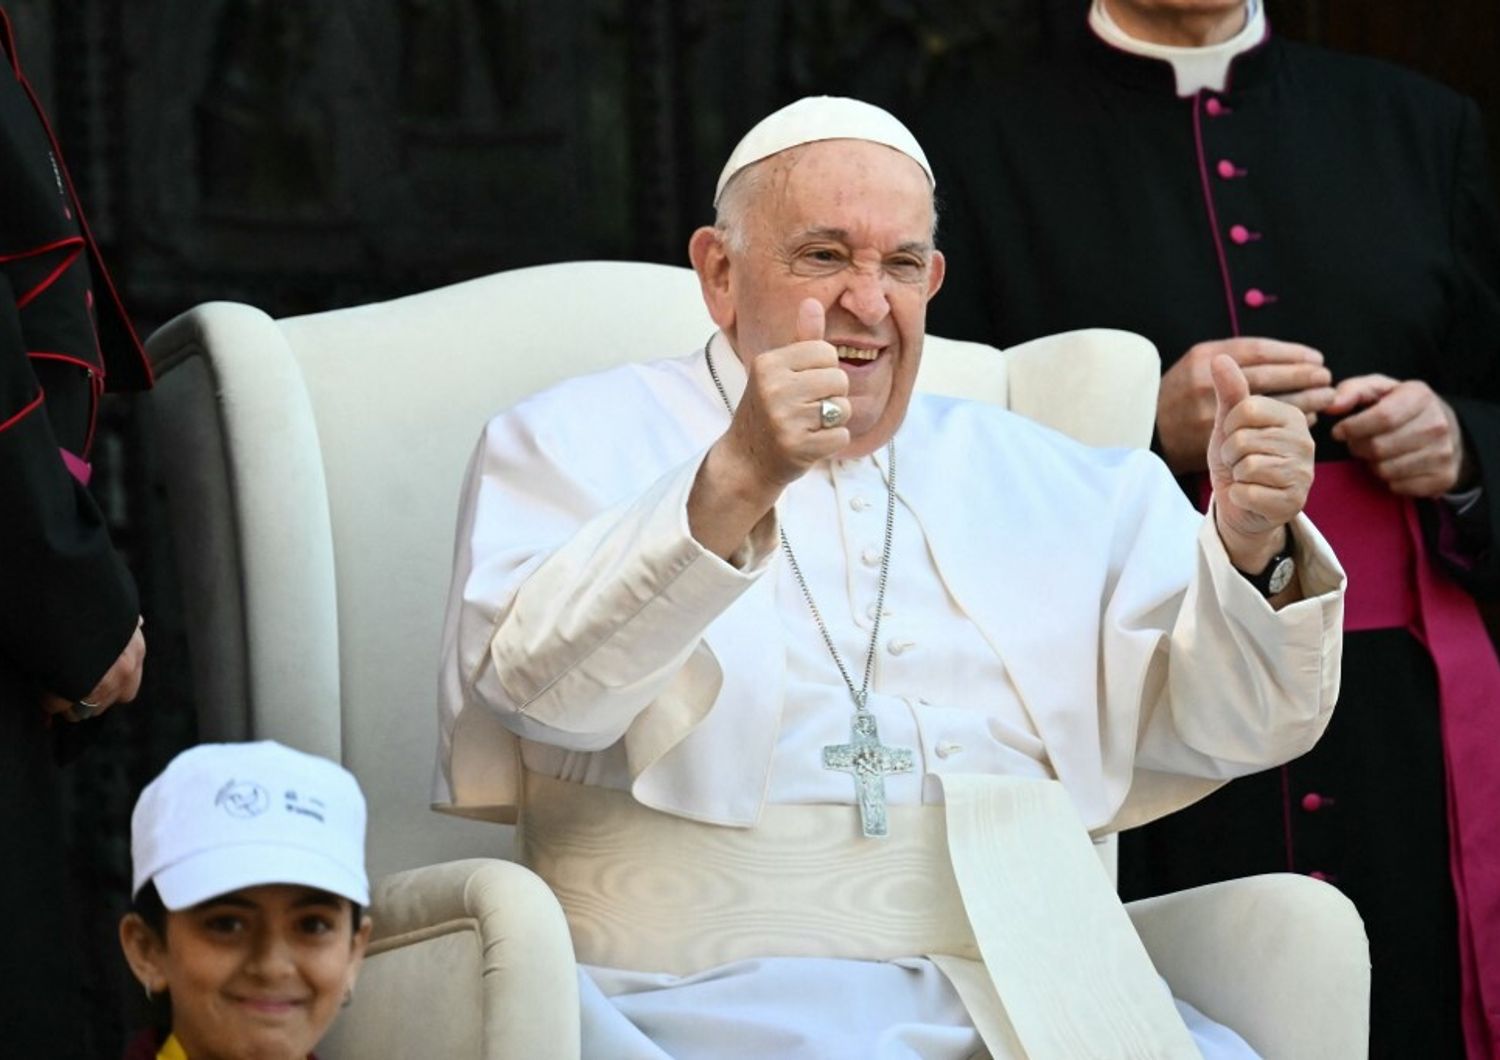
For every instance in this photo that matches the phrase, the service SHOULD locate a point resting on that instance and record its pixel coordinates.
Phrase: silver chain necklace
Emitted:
(864, 757)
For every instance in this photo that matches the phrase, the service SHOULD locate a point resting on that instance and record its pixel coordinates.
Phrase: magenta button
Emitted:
(1226, 168)
(1214, 108)
(1240, 234)
(1312, 802)
(1255, 298)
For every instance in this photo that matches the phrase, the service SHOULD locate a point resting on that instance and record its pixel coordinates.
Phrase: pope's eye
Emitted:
(820, 260)
(905, 268)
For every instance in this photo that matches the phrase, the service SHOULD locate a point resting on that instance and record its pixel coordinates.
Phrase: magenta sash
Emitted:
(78, 467)
(1394, 584)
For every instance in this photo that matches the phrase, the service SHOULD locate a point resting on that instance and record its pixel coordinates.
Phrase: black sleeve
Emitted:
(1469, 378)
(68, 605)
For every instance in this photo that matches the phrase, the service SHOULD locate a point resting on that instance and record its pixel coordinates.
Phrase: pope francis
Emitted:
(810, 690)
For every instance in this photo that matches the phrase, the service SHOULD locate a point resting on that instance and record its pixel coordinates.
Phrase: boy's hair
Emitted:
(148, 906)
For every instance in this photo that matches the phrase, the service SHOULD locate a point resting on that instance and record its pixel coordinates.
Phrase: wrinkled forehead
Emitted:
(835, 184)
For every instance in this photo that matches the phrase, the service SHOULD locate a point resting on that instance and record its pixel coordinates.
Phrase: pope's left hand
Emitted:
(1408, 435)
(1260, 462)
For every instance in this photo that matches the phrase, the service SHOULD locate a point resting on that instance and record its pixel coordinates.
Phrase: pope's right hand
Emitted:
(776, 433)
(1186, 402)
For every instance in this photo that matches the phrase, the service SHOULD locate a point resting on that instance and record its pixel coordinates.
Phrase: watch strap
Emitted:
(1278, 573)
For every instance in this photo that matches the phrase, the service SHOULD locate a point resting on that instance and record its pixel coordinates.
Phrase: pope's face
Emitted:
(849, 223)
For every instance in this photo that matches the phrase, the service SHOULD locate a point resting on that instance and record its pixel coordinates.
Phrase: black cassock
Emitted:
(68, 605)
(1324, 199)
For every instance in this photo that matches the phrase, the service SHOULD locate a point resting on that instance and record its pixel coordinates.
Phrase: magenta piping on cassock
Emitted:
(1213, 217)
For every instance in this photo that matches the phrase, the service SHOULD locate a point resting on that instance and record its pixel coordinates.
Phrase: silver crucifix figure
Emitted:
(869, 762)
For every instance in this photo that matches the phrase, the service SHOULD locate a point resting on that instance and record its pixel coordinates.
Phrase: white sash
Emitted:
(1000, 887)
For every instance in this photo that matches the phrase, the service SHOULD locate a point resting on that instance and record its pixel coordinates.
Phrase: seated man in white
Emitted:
(701, 610)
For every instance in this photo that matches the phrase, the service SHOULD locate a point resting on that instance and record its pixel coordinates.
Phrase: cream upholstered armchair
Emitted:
(311, 468)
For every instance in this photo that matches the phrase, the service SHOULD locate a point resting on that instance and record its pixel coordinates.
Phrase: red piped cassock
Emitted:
(68, 605)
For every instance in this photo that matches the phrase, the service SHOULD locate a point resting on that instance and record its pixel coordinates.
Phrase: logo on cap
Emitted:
(243, 798)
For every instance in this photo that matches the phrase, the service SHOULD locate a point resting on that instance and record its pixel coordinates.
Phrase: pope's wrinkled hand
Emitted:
(1260, 462)
(1186, 402)
(776, 433)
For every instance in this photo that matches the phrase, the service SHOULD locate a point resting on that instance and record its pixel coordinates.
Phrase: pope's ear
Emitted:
(937, 271)
(711, 262)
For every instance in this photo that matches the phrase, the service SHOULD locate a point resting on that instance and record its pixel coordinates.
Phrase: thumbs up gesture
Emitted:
(775, 435)
(777, 432)
(1260, 462)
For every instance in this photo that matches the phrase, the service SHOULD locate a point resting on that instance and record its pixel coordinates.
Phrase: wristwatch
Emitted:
(1277, 574)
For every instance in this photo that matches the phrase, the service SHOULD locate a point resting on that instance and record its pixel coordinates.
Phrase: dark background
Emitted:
(302, 155)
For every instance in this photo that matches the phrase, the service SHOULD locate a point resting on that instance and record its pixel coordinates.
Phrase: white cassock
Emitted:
(1042, 601)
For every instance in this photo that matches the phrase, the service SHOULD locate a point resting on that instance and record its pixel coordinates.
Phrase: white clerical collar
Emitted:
(1196, 68)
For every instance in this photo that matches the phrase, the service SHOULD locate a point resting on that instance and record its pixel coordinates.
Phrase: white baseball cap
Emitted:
(225, 816)
(815, 118)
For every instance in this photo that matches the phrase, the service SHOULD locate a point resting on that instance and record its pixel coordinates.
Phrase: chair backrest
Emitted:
(312, 466)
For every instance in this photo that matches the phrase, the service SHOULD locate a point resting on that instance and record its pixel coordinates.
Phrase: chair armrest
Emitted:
(1281, 959)
(468, 958)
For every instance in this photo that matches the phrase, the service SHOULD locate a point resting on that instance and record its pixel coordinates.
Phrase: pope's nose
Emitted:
(865, 298)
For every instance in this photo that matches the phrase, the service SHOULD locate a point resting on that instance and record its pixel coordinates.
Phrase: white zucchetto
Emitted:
(815, 118)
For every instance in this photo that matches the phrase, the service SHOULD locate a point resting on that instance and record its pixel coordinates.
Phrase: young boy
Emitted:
(249, 886)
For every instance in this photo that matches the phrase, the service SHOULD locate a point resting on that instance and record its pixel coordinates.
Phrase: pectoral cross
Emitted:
(869, 762)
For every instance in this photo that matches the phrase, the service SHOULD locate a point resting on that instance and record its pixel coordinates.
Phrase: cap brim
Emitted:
(199, 877)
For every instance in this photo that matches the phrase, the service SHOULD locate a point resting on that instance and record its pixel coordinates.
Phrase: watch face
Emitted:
(1281, 576)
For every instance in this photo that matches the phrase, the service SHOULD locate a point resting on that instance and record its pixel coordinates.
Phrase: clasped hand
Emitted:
(1408, 435)
(1187, 402)
(120, 683)
(1405, 432)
